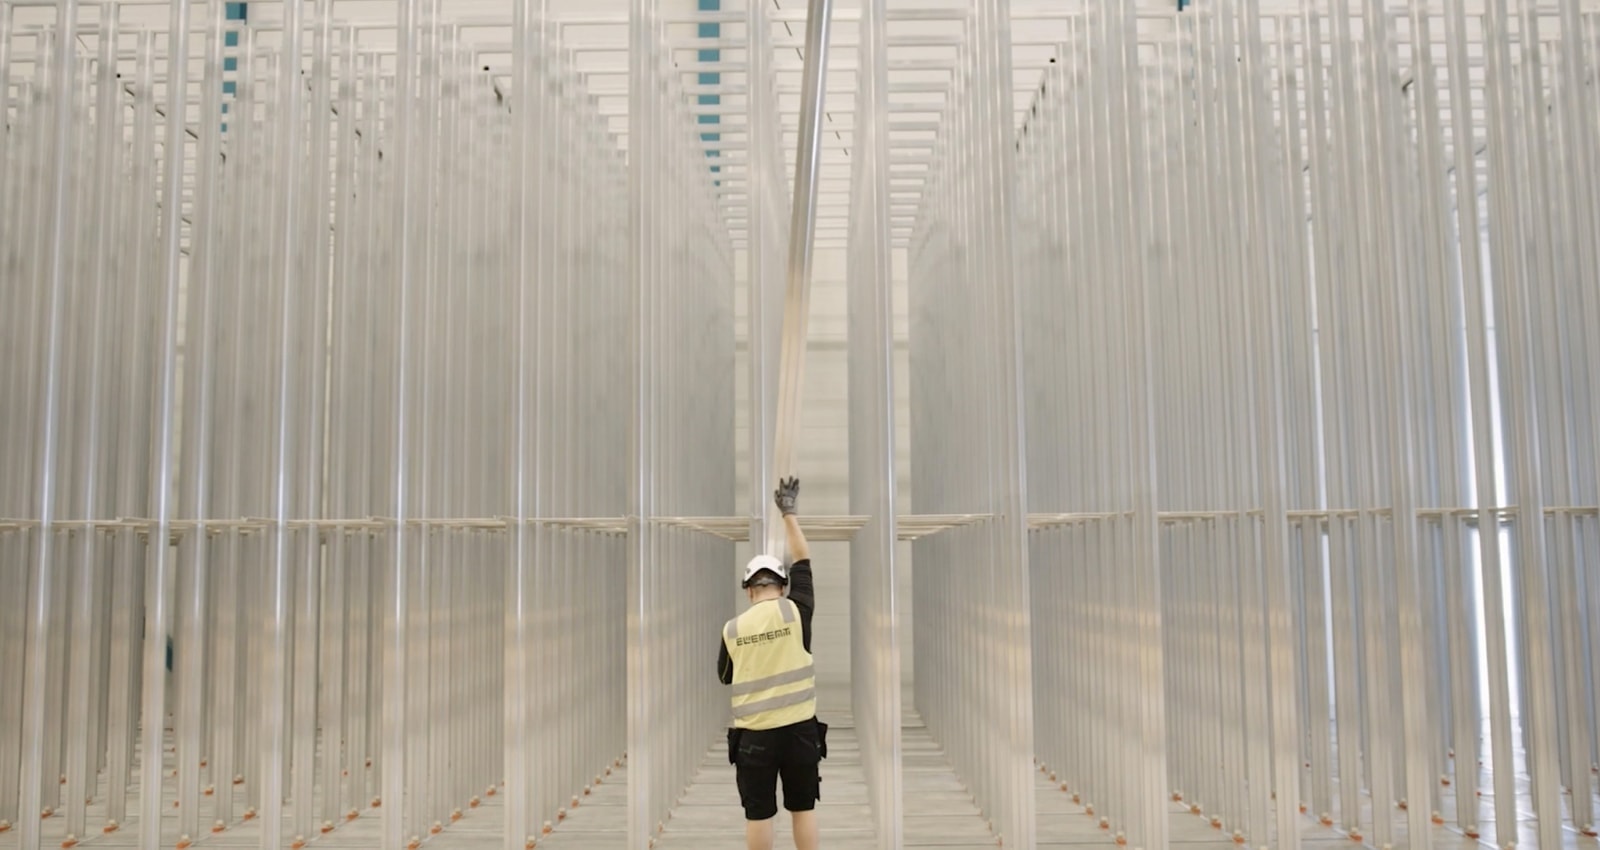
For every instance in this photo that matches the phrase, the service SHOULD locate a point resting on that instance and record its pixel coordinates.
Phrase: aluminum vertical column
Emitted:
(680, 445)
(974, 674)
(874, 639)
(52, 285)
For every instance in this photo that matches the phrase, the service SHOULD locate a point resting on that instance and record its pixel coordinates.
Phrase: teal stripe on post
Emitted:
(234, 12)
(711, 30)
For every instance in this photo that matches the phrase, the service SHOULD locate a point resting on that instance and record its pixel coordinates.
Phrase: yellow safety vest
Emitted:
(773, 681)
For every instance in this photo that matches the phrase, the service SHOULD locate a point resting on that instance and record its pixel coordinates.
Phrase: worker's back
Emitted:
(774, 683)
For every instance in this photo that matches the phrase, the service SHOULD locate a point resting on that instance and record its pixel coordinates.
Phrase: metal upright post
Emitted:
(644, 164)
(199, 427)
(339, 630)
(1270, 353)
(1301, 316)
(874, 641)
(1507, 210)
(82, 768)
(527, 46)
(53, 285)
(1152, 785)
(1395, 329)
(286, 438)
(996, 157)
(1464, 707)
(396, 597)
(312, 277)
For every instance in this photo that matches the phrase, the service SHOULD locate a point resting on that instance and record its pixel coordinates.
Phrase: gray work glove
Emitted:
(787, 494)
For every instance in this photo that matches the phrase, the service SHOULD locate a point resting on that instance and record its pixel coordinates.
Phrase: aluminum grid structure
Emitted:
(1259, 341)
(974, 678)
(1224, 293)
(386, 481)
(681, 266)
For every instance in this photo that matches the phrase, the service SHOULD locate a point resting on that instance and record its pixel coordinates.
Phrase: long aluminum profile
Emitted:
(759, 146)
(802, 230)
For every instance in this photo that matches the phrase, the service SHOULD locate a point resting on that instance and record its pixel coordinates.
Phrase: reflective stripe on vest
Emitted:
(746, 688)
(774, 681)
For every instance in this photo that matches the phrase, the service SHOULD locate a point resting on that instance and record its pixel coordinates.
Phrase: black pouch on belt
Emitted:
(734, 734)
(822, 739)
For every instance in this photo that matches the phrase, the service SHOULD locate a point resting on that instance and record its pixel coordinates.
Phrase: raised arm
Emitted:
(787, 496)
(798, 550)
(801, 590)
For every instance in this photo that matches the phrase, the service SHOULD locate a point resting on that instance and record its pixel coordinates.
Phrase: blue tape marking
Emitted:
(711, 30)
(234, 12)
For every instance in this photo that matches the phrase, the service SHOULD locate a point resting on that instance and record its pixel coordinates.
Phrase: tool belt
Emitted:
(735, 734)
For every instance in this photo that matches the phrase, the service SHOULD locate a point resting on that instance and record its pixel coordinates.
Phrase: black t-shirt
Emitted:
(804, 596)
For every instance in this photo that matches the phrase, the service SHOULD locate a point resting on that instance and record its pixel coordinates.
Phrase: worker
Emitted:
(765, 654)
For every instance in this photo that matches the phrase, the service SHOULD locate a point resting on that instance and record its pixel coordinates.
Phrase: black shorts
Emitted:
(791, 753)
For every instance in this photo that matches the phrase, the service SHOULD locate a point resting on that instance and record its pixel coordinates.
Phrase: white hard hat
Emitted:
(764, 562)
